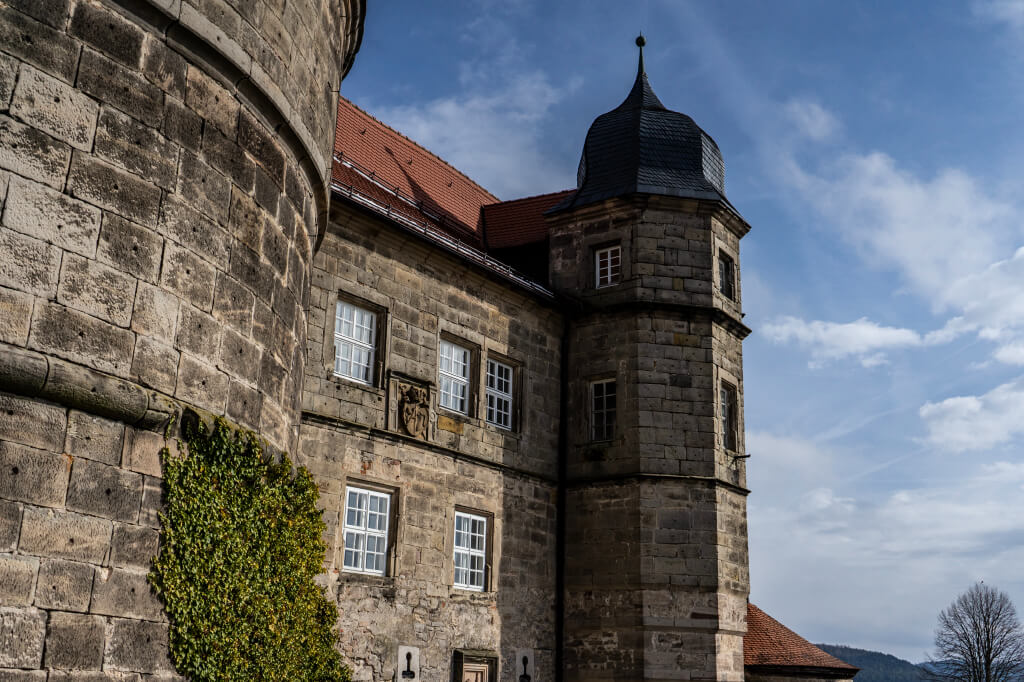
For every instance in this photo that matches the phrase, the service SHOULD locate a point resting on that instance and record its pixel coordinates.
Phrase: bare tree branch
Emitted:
(978, 639)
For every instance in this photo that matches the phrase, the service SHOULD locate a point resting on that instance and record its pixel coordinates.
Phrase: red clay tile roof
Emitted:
(425, 183)
(770, 643)
(520, 221)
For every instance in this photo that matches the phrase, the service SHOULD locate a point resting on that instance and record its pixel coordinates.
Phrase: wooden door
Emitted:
(474, 672)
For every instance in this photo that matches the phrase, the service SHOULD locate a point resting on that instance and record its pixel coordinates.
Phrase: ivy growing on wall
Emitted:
(241, 544)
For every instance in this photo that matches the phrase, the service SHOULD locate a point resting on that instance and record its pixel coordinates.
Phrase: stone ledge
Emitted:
(35, 375)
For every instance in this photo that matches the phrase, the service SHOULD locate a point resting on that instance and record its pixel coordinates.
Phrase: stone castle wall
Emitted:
(350, 436)
(163, 175)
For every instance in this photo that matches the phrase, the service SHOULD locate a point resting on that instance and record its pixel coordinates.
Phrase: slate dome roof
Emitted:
(642, 146)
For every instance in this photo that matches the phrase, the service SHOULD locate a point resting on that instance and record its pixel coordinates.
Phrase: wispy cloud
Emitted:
(825, 341)
(973, 423)
(1009, 12)
(811, 119)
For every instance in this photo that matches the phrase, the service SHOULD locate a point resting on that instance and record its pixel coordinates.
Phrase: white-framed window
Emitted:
(454, 371)
(355, 331)
(608, 265)
(499, 394)
(366, 530)
(602, 409)
(726, 276)
(730, 416)
(470, 551)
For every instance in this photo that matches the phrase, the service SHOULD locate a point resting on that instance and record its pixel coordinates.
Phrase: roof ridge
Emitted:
(342, 98)
(532, 196)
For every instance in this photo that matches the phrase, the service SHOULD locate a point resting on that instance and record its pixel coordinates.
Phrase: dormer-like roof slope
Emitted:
(420, 182)
(520, 221)
(770, 644)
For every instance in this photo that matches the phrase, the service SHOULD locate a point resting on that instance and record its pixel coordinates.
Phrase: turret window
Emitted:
(726, 276)
(608, 265)
(602, 409)
(730, 417)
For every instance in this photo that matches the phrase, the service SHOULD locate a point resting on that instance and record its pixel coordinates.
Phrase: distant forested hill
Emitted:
(874, 665)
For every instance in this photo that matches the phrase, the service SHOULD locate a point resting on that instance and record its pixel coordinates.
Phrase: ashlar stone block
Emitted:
(125, 142)
(15, 316)
(10, 525)
(32, 153)
(74, 641)
(32, 422)
(64, 535)
(64, 585)
(130, 247)
(103, 490)
(81, 338)
(34, 476)
(54, 107)
(125, 593)
(96, 289)
(27, 264)
(38, 211)
(134, 546)
(94, 437)
(17, 579)
(137, 646)
(114, 189)
(22, 633)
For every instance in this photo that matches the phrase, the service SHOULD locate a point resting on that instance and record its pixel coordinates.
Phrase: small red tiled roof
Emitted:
(520, 221)
(425, 182)
(770, 643)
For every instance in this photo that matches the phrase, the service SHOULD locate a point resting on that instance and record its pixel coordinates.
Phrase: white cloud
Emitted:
(862, 339)
(970, 423)
(946, 235)
(811, 119)
(491, 135)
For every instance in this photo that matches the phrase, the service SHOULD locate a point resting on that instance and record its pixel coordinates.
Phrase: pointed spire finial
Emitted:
(640, 42)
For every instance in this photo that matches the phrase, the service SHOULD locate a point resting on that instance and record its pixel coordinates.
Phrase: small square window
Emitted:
(730, 417)
(470, 551)
(499, 394)
(454, 377)
(355, 338)
(602, 410)
(367, 514)
(608, 265)
(726, 276)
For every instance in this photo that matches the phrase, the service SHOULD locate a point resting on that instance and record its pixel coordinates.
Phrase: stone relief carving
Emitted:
(413, 409)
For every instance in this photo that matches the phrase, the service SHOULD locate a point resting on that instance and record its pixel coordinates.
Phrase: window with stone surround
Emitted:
(607, 265)
(726, 276)
(602, 409)
(499, 394)
(455, 371)
(471, 546)
(367, 523)
(730, 416)
(355, 342)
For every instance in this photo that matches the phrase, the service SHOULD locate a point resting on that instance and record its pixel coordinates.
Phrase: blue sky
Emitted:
(876, 149)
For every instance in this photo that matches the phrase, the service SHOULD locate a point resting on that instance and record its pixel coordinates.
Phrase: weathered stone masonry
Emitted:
(163, 183)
